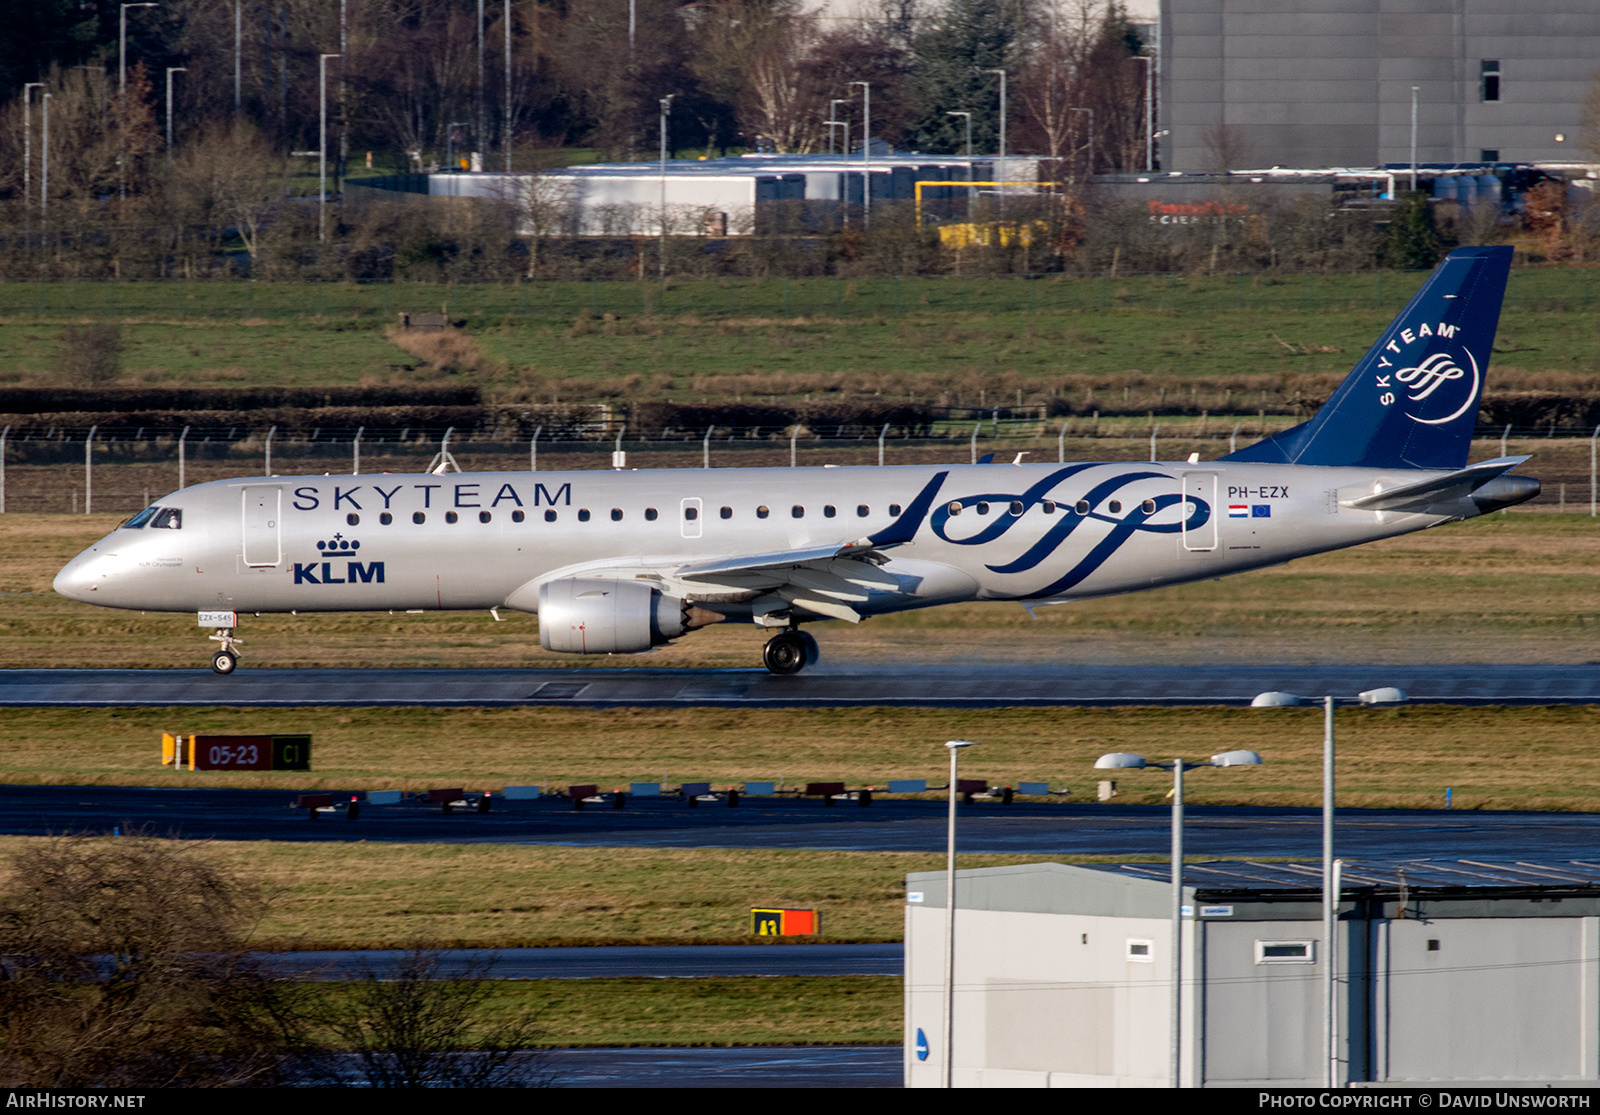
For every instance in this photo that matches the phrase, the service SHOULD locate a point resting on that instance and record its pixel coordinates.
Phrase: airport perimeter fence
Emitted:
(378, 302)
(54, 470)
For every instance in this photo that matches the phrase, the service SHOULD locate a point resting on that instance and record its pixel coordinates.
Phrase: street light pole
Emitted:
(505, 130)
(1149, 136)
(27, 142)
(1415, 89)
(1000, 171)
(1121, 760)
(1090, 111)
(955, 746)
(833, 111)
(322, 146)
(238, 57)
(666, 111)
(44, 167)
(971, 191)
(866, 152)
(1330, 867)
(170, 71)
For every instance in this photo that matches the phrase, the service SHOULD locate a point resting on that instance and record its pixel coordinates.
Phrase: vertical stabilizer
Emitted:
(1412, 401)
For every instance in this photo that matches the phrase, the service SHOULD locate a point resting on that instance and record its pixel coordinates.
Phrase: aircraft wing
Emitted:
(826, 580)
(1436, 489)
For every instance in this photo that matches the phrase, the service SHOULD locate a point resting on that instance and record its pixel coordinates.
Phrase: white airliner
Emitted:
(618, 562)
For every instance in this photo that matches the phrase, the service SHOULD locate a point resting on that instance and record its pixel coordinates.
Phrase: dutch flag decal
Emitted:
(1238, 511)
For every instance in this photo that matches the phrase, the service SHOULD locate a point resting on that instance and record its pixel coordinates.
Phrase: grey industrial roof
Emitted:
(1418, 873)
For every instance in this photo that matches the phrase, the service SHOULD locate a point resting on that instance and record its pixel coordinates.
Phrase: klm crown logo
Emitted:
(337, 555)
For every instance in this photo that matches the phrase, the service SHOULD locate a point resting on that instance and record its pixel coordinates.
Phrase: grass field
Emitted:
(711, 336)
(783, 1010)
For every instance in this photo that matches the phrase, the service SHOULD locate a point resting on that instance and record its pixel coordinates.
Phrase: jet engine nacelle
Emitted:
(607, 617)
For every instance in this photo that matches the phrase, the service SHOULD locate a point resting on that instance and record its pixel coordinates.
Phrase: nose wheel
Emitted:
(226, 660)
(789, 652)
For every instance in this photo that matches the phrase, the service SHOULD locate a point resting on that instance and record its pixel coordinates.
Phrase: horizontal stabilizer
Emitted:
(1436, 489)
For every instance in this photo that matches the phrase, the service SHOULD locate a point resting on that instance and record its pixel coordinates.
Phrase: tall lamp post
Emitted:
(322, 146)
(27, 142)
(866, 152)
(666, 111)
(956, 746)
(44, 167)
(1388, 695)
(1122, 760)
(971, 191)
(1149, 136)
(170, 71)
(1000, 171)
(833, 111)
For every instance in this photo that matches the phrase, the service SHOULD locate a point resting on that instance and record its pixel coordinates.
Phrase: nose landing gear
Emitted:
(789, 652)
(226, 660)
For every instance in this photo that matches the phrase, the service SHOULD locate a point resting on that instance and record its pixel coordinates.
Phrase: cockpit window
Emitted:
(139, 520)
(170, 518)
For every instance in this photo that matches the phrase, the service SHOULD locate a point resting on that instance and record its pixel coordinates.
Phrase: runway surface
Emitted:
(900, 825)
(795, 1066)
(936, 686)
(610, 962)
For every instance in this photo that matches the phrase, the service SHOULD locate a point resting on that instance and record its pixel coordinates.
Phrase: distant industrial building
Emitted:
(1328, 83)
(736, 196)
(1448, 971)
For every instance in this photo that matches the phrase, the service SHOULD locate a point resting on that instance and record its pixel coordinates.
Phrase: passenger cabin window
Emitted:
(484, 516)
(1016, 507)
(451, 517)
(616, 514)
(954, 508)
(862, 511)
(727, 512)
(894, 509)
(1116, 506)
(418, 517)
(828, 511)
(1048, 507)
(797, 511)
(549, 516)
(143, 517)
(762, 512)
(583, 514)
(168, 518)
(650, 514)
(1081, 507)
(386, 518)
(353, 519)
(691, 513)
(1148, 507)
(982, 508)
(518, 516)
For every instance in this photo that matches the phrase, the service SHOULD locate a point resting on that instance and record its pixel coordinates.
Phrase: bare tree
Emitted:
(413, 1028)
(123, 964)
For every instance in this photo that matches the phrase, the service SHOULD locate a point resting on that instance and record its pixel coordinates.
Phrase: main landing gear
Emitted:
(226, 660)
(789, 652)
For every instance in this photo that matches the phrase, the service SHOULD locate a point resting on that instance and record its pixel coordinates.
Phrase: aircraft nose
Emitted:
(80, 578)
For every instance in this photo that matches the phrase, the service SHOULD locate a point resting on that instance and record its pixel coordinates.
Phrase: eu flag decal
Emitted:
(1261, 510)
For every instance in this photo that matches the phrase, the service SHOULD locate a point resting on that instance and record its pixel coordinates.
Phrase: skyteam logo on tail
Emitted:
(1435, 383)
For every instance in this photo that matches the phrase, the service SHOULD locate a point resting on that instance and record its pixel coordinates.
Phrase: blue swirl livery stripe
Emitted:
(1122, 528)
